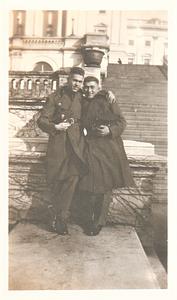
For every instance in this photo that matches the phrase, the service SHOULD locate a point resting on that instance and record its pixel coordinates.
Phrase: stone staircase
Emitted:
(142, 94)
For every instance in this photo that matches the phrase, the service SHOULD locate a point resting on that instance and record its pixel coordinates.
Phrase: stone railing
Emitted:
(24, 85)
(36, 43)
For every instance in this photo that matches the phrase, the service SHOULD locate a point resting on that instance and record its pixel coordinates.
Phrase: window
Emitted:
(130, 60)
(131, 42)
(100, 28)
(50, 22)
(42, 67)
(148, 43)
(147, 61)
(19, 22)
(101, 31)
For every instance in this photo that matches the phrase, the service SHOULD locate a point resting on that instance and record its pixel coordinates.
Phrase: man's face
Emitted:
(91, 88)
(76, 82)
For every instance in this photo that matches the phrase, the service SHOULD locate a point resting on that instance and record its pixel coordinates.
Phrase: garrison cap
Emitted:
(77, 70)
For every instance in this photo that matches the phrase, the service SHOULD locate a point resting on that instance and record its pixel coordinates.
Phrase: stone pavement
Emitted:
(41, 260)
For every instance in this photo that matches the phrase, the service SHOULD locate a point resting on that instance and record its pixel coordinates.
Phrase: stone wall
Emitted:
(27, 186)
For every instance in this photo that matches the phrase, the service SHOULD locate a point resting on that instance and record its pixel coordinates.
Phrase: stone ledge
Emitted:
(114, 259)
(133, 148)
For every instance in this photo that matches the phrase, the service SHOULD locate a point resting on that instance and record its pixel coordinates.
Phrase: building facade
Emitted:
(51, 40)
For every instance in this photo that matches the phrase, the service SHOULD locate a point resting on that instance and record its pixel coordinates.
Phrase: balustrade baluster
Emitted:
(54, 85)
(37, 88)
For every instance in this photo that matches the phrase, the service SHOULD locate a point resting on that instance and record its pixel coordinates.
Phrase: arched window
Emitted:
(42, 67)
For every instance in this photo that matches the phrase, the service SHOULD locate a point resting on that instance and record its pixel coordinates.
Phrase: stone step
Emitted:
(146, 130)
(132, 129)
(145, 134)
(144, 122)
(113, 80)
(41, 260)
(158, 142)
(160, 97)
(139, 109)
(139, 100)
(134, 81)
(138, 122)
(140, 71)
(148, 92)
(133, 111)
(161, 101)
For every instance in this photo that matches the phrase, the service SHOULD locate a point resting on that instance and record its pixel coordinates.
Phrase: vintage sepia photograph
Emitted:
(87, 135)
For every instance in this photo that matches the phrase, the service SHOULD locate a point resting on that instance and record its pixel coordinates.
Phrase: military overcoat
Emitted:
(65, 148)
(105, 155)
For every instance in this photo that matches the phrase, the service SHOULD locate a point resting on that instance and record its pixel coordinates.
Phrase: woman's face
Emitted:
(91, 88)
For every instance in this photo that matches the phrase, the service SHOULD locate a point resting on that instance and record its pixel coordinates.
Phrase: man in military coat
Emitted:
(105, 155)
(60, 118)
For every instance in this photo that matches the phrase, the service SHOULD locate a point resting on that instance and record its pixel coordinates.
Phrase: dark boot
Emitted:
(97, 202)
(57, 224)
(94, 204)
(60, 226)
(52, 218)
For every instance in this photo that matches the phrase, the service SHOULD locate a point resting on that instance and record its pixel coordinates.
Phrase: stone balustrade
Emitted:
(25, 85)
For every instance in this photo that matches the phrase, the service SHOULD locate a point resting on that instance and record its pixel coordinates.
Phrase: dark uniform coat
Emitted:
(106, 157)
(65, 148)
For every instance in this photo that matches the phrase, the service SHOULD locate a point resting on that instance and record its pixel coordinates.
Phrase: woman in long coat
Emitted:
(104, 153)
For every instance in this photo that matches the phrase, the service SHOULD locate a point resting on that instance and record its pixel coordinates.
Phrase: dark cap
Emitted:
(77, 70)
